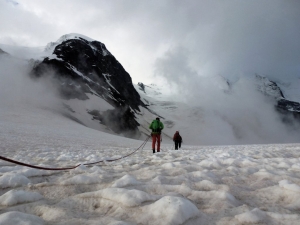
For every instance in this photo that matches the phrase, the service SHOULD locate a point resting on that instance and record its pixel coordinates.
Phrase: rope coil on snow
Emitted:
(73, 167)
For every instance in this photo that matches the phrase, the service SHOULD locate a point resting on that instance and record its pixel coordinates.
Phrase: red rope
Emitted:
(36, 167)
(111, 160)
(69, 168)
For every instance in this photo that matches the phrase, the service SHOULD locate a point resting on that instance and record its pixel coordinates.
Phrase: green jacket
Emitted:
(156, 126)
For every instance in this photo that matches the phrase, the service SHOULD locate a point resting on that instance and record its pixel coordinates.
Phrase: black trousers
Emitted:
(177, 144)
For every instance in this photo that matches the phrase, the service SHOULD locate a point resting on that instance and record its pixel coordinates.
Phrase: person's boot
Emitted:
(153, 151)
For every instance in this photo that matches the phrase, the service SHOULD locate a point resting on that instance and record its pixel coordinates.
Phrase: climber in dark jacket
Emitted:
(156, 126)
(177, 140)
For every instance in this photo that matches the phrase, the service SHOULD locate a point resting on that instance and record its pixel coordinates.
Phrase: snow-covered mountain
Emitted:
(96, 91)
(84, 69)
(94, 88)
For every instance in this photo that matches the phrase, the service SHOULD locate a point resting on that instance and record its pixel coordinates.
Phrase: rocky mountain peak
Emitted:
(141, 86)
(268, 87)
(83, 66)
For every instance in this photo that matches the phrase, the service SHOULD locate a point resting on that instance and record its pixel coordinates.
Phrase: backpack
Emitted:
(177, 137)
(155, 125)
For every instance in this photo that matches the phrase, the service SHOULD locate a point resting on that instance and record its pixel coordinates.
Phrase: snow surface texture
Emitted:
(254, 184)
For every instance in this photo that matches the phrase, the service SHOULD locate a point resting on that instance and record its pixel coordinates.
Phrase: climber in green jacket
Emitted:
(156, 126)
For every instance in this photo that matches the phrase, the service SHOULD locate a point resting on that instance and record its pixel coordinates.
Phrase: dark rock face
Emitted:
(290, 112)
(288, 109)
(268, 87)
(80, 67)
(289, 105)
(141, 87)
(119, 121)
(94, 68)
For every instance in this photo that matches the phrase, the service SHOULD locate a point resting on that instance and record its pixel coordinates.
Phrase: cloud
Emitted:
(19, 92)
(235, 40)
(245, 37)
(227, 112)
(223, 37)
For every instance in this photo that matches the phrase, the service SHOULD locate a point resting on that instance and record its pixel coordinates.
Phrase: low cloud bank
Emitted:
(232, 112)
(17, 90)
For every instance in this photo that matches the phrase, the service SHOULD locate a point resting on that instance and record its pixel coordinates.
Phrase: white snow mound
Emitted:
(126, 180)
(82, 179)
(13, 180)
(171, 210)
(125, 197)
(289, 186)
(253, 216)
(15, 197)
(18, 218)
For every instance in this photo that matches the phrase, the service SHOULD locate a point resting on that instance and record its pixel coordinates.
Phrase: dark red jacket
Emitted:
(177, 137)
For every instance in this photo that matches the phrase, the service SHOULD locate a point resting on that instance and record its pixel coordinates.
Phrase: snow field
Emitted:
(244, 185)
(240, 184)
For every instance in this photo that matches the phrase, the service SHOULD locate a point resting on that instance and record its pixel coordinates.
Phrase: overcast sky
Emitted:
(173, 39)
